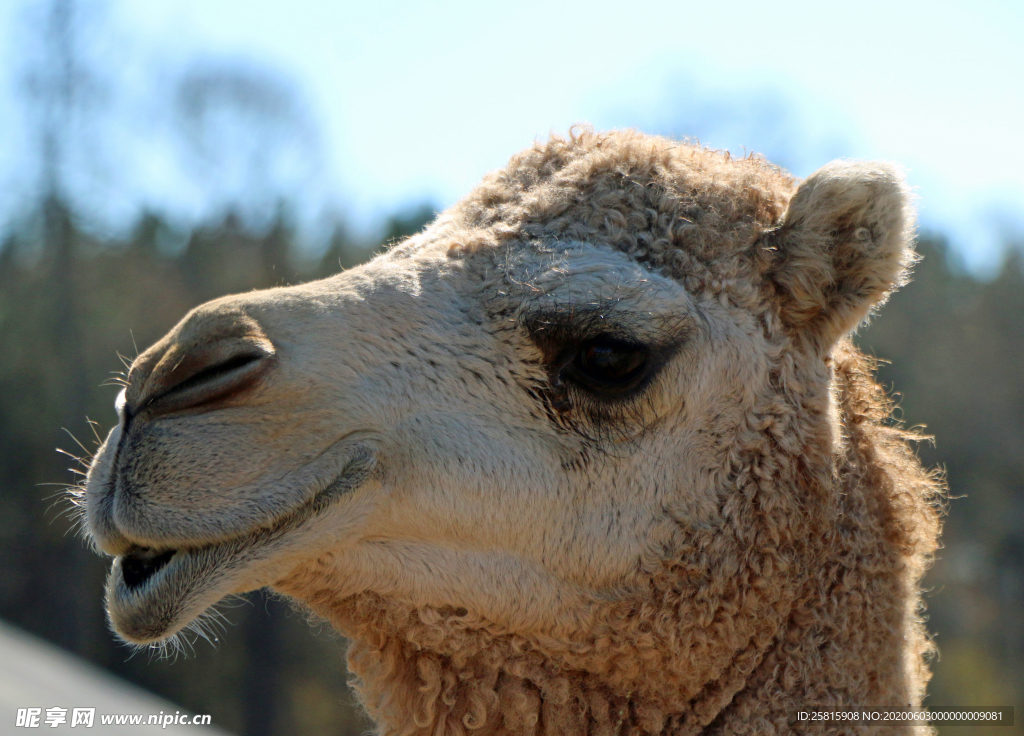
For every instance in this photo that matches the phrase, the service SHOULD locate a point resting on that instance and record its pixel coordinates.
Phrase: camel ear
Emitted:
(844, 245)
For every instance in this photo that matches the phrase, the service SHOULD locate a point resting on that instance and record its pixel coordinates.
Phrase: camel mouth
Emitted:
(152, 594)
(143, 563)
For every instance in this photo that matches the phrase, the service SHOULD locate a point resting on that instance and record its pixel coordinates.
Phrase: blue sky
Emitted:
(417, 100)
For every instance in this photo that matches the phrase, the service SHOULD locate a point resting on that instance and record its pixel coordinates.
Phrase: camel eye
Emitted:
(606, 363)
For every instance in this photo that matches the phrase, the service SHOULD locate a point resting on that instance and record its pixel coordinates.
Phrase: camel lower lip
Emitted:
(152, 594)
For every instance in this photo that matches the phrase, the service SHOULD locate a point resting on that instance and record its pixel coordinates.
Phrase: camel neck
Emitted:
(805, 596)
(421, 671)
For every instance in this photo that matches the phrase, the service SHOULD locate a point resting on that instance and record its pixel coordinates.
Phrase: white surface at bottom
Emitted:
(37, 674)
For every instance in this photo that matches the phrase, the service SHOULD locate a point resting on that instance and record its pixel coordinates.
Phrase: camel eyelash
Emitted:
(598, 372)
(605, 366)
(561, 335)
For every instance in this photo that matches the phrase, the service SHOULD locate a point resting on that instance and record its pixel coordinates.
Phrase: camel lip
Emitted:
(154, 593)
(147, 603)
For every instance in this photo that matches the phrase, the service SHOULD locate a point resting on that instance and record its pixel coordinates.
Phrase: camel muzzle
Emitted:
(208, 359)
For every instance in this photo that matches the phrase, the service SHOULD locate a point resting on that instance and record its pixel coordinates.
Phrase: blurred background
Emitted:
(154, 155)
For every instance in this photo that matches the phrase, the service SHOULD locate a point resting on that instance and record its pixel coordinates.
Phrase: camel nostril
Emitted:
(208, 357)
(216, 372)
(208, 382)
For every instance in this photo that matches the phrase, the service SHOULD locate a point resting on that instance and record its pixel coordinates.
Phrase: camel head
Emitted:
(590, 420)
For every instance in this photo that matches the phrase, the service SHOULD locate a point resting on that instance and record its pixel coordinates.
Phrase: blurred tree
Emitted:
(249, 140)
(341, 253)
(408, 222)
(62, 90)
(956, 347)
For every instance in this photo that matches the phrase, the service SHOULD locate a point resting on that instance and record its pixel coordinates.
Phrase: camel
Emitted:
(590, 454)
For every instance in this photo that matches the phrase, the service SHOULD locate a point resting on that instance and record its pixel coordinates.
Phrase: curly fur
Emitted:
(807, 593)
(815, 596)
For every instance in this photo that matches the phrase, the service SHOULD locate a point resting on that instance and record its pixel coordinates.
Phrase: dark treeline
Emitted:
(70, 304)
(955, 347)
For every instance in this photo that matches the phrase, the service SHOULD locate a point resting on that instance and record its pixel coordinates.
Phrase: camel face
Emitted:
(592, 443)
(422, 420)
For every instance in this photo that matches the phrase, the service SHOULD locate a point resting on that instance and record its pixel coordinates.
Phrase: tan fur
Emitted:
(510, 555)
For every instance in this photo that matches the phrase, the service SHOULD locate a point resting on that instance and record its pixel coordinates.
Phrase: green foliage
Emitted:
(955, 347)
(408, 222)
